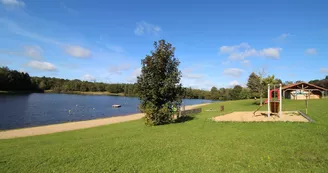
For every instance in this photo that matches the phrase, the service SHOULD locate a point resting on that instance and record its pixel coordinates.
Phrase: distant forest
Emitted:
(320, 82)
(13, 80)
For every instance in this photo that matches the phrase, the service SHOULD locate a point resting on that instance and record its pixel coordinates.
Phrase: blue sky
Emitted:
(219, 43)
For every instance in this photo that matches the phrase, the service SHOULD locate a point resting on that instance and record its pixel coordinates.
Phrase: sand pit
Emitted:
(290, 116)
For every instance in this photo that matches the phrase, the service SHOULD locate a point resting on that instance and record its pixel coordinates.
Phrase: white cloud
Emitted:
(188, 73)
(33, 52)
(324, 70)
(282, 37)
(78, 51)
(285, 35)
(88, 77)
(133, 78)
(16, 3)
(225, 62)
(244, 50)
(16, 29)
(118, 69)
(146, 28)
(233, 83)
(245, 62)
(193, 76)
(73, 50)
(136, 72)
(234, 72)
(41, 65)
(113, 48)
(231, 49)
(311, 51)
(243, 55)
(271, 53)
(68, 9)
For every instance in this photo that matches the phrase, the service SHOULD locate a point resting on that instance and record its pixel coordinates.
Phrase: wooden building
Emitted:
(302, 91)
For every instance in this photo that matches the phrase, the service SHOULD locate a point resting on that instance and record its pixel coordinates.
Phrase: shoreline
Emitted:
(105, 93)
(69, 126)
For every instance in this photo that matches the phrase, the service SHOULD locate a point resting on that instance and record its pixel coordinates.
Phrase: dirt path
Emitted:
(41, 130)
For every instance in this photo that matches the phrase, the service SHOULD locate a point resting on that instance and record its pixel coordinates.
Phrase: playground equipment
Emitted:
(274, 101)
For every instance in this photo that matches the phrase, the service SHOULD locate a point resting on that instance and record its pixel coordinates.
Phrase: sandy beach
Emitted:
(54, 128)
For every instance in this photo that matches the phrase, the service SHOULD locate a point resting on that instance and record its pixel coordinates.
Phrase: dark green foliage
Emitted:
(12, 80)
(322, 83)
(235, 92)
(159, 85)
(215, 93)
(254, 84)
(245, 94)
(65, 85)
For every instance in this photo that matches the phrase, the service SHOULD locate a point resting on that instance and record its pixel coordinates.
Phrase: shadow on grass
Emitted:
(184, 119)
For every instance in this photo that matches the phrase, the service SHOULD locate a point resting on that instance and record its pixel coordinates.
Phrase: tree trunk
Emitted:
(261, 93)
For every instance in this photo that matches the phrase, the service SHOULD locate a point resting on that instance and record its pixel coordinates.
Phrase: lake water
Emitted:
(18, 111)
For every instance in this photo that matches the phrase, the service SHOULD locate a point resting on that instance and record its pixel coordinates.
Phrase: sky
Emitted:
(219, 43)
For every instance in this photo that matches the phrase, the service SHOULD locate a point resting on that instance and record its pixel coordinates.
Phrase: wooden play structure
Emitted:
(274, 101)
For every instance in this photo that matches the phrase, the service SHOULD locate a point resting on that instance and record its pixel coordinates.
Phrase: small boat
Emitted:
(116, 106)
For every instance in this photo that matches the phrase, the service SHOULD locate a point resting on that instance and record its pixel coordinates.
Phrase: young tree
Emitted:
(159, 85)
(262, 86)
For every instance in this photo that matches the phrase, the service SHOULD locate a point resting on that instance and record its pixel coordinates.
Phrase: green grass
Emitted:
(199, 145)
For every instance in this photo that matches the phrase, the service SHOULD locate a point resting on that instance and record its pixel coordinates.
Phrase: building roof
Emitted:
(309, 86)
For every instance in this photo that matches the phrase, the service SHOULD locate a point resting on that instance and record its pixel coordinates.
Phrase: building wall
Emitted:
(303, 97)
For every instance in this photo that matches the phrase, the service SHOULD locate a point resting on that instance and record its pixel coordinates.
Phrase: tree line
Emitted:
(320, 82)
(13, 80)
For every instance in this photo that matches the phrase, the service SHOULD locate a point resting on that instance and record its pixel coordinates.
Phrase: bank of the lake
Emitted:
(55, 128)
(87, 93)
(36, 109)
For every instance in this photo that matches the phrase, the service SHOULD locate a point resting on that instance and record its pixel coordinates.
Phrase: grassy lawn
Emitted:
(198, 145)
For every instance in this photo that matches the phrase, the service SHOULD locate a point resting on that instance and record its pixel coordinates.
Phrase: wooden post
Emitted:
(280, 101)
(269, 100)
(179, 111)
(306, 104)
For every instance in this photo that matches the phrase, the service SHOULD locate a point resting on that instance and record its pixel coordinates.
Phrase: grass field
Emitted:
(198, 145)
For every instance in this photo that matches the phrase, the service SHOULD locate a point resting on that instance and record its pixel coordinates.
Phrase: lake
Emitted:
(18, 111)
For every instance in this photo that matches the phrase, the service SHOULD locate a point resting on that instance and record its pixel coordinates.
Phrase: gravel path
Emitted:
(54, 128)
